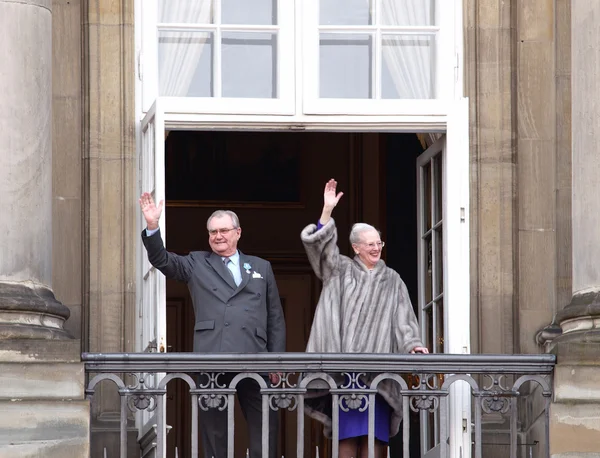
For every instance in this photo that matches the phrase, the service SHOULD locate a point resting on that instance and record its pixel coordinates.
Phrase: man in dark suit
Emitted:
(237, 310)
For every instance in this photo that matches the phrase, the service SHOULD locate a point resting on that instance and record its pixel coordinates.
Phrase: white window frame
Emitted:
(445, 62)
(298, 103)
(455, 216)
(438, 149)
(453, 148)
(284, 104)
(447, 115)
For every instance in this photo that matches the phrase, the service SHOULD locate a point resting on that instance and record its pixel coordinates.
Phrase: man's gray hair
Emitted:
(220, 213)
(359, 228)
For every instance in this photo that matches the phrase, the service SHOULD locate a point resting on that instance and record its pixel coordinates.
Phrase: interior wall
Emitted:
(231, 163)
(322, 156)
(401, 152)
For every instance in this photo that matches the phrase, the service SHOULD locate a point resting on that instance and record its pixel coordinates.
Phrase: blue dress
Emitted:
(355, 423)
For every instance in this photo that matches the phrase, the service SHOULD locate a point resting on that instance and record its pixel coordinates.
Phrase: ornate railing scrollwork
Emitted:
(495, 387)
(211, 393)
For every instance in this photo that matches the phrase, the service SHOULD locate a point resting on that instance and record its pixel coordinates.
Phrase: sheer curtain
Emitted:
(409, 57)
(180, 52)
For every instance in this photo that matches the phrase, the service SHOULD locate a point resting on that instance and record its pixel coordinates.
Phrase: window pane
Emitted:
(408, 12)
(345, 66)
(439, 347)
(407, 67)
(428, 270)
(345, 12)
(428, 337)
(426, 193)
(437, 176)
(190, 11)
(185, 64)
(249, 64)
(263, 12)
(439, 262)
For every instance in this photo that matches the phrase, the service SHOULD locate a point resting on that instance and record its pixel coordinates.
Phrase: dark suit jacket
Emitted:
(232, 319)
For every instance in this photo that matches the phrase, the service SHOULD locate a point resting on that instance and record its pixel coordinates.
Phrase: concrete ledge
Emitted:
(44, 429)
(577, 384)
(574, 431)
(42, 381)
(42, 350)
(72, 448)
(576, 455)
(571, 349)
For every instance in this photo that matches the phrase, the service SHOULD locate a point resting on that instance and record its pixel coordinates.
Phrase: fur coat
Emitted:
(359, 311)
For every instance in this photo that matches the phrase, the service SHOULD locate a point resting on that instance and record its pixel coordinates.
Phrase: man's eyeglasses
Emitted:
(213, 232)
(374, 245)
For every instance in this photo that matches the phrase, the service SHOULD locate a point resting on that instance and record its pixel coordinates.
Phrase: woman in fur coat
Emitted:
(364, 308)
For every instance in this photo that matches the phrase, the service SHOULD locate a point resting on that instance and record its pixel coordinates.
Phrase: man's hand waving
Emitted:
(150, 211)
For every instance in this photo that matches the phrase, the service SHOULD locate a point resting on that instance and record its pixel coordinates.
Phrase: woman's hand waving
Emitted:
(330, 199)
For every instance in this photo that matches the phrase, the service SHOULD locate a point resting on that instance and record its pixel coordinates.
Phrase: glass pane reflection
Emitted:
(249, 64)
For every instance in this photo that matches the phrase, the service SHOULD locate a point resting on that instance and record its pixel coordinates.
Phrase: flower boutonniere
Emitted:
(247, 267)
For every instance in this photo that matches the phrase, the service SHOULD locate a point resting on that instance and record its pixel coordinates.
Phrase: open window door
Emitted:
(443, 259)
(152, 323)
(152, 308)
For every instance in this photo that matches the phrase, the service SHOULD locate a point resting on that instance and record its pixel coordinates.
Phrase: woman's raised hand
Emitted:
(330, 198)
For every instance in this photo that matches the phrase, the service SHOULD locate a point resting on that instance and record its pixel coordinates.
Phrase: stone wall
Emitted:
(109, 197)
(518, 82)
(67, 178)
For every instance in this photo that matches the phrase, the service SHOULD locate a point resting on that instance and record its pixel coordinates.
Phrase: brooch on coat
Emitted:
(247, 267)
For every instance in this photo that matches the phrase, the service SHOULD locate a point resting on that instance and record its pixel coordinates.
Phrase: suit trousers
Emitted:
(213, 422)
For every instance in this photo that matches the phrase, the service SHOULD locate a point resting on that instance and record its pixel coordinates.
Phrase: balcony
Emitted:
(495, 404)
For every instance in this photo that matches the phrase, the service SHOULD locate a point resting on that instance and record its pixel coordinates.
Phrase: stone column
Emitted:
(579, 319)
(42, 378)
(28, 308)
(575, 412)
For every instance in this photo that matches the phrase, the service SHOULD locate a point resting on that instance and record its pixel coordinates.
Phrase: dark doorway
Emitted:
(274, 182)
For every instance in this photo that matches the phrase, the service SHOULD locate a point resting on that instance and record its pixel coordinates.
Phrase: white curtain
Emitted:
(409, 58)
(180, 52)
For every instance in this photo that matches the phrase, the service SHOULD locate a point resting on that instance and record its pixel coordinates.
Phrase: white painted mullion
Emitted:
(184, 26)
(434, 260)
(444, 52)
(377, 52)
(149, 53)
(387, 29)
(299, 61)
(310, 55)
(287, 52)
(459, 50)
(438, 56)
(217, 57)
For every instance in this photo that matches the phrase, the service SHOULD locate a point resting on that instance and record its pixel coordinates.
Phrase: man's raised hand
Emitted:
(150, 211)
